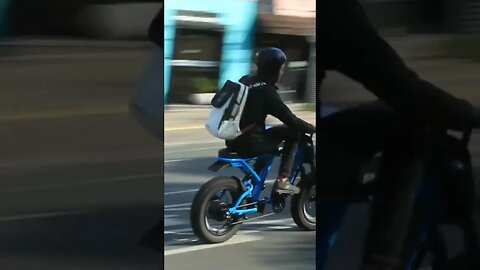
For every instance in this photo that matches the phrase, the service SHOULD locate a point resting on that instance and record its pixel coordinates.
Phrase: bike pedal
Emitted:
(278, 203)
(278, 207)
(261, 207)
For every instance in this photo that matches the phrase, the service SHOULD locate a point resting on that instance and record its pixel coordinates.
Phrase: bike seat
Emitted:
(227, 153)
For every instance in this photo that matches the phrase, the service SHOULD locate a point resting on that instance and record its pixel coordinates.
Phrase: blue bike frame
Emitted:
(254, 189)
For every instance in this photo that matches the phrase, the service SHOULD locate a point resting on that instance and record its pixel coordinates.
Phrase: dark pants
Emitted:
(346, 141)
(250, 145)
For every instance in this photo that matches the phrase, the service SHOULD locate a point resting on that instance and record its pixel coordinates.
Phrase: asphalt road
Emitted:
(271, 243)
(78, 192)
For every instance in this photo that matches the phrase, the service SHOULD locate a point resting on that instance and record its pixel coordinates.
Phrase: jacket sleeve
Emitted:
(278, 109)
(351, 45)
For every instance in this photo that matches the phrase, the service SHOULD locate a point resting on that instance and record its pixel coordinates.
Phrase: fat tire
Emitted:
(197, 213)
(296, 207)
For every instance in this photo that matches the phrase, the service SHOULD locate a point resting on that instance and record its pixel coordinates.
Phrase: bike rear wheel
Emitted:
(209, 216)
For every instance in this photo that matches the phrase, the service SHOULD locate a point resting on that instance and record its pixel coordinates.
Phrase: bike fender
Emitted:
(218, 166)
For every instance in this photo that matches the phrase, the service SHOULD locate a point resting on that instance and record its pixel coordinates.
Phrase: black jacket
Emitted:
(265, 100)
(347, 42)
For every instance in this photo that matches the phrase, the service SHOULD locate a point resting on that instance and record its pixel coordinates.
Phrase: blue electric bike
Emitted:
(223, 203)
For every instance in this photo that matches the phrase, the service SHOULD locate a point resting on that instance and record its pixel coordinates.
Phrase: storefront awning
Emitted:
(285, 25)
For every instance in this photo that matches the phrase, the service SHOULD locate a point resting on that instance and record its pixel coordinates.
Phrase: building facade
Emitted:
(206, 43)
(290, 25)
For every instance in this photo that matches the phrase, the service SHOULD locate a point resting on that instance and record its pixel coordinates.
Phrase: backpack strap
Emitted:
(243, 99)
(258, 84)
(228, 111)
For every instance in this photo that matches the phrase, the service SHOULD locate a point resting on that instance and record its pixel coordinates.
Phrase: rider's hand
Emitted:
(311, 129)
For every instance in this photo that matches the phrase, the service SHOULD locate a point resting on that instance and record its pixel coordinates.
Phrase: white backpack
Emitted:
(224, 119)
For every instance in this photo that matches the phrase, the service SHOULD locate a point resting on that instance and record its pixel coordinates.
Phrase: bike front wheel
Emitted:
(303, 205)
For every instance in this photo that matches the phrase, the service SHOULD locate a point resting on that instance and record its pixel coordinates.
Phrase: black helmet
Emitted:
(269, 61)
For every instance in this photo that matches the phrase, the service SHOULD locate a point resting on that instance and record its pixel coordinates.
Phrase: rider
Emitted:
(264, 100)
(396, 126)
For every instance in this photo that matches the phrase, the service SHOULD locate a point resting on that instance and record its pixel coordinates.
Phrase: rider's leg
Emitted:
(291, 138)
(268, 142)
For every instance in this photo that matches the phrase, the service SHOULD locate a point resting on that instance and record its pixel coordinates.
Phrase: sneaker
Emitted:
(285, 188)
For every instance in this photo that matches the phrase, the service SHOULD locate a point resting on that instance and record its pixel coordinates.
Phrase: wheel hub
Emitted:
(218, 210)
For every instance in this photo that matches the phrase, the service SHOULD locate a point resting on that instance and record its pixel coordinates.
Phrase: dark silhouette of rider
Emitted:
(396, 125)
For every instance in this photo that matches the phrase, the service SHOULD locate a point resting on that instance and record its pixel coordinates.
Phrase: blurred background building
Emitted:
(209, 42)
(425, 16)
(206, 43)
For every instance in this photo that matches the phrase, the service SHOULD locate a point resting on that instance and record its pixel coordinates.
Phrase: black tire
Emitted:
(297, 208)
(199, 208)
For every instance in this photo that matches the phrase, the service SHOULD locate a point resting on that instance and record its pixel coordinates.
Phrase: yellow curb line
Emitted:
(184, 128)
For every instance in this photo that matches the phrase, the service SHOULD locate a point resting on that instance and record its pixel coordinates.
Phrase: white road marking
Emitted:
(280, 227)
(168, 222)
(175, 160)
(237, 239)
(176, 205)
(270, 221)
(180, 191)
(247, 232)
(37, 215)
(173, 220)
(178, 230)
(177, 209)
(82, 183)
